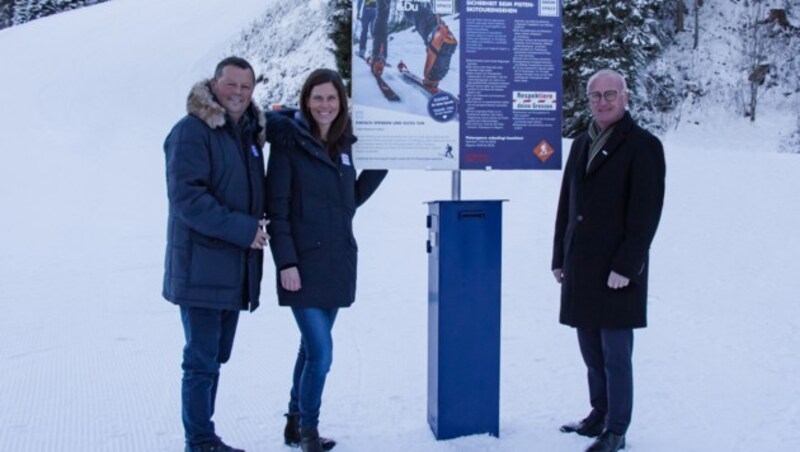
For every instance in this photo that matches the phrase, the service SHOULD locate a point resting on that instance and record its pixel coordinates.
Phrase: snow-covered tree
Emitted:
(599, 34)
(754, 48)
(6, 13)
(24, 11)
(340, 32)
(696, 5)
(770, 44)
(27, 10)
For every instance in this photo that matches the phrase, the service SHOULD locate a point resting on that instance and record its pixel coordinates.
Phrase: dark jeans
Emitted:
(607, 354)
(367, 25)
(209, 340)
(313, 362)
(423, 19)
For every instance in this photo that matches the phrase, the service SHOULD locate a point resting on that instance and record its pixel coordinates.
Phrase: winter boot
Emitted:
(309, 440)
(291, 434)
(441, 45)
(607, 442)
(217, 446)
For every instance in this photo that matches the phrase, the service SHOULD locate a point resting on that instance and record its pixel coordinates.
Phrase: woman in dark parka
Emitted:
(312, 196)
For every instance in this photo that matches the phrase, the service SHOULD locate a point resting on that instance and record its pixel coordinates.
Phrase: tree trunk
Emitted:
(753, 100)
(697, 5)
(679, 13)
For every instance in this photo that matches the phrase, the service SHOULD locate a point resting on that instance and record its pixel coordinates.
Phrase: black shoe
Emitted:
(309, 440)
(607, 442)
(218, 446)
(291, 434)
(591, 426)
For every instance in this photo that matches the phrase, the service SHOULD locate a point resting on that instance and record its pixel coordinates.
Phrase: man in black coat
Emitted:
(608, 212)
(215, 233)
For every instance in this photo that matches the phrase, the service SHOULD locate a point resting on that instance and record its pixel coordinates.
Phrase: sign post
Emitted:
(459, 85)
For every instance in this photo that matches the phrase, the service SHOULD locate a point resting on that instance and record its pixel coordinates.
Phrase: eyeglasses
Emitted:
(609, 96)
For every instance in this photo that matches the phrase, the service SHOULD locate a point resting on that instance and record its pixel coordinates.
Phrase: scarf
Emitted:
(598, 141)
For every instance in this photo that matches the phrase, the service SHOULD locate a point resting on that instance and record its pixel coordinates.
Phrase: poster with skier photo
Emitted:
(457, 84)
(405, 83)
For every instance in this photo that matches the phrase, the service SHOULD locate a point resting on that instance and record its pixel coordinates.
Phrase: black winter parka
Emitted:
(311, 201)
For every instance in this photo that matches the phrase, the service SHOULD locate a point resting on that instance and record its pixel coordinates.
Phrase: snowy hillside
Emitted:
(714, 75)
(284, 44)
(90, 352)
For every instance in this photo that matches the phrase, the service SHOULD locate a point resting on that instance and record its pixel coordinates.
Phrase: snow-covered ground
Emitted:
(90, 353)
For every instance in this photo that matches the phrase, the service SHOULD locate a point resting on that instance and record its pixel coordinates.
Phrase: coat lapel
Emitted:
(583, 156)
(621, 129)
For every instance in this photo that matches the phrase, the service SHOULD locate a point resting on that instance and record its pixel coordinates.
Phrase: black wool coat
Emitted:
(607, 218)
(311, 201)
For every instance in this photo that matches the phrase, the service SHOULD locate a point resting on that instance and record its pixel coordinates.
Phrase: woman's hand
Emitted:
(290, 279)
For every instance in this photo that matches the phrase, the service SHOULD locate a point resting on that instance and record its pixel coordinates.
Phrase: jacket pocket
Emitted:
(215, 263)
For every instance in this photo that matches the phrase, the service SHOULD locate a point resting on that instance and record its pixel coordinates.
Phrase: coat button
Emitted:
(579, 218)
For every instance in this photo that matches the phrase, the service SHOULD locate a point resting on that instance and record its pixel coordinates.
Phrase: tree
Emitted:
(756, 63)
(27, 10)
(680, 13)
(697, 5)
(340, 32)
(599, 34)
(24, 11)
(6, 13)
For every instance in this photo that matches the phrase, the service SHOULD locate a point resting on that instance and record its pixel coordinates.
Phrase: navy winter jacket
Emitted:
(311, 201)
(215, 185)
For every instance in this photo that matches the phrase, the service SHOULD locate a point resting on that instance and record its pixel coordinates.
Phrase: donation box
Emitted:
(464, 252)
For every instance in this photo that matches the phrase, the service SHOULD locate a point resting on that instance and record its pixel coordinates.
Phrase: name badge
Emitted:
(254, 150)
(345, 159)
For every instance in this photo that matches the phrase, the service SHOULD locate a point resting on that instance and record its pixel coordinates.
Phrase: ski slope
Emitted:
(90, 352)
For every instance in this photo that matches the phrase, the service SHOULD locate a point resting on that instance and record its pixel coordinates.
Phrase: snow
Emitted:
(90, 352)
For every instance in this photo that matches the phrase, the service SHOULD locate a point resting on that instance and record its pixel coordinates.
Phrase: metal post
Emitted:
(456, 186)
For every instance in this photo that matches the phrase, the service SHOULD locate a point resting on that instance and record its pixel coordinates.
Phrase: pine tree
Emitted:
(24, 11)
(27, 10)
(6, 13)
(599, 34)
(340, 32)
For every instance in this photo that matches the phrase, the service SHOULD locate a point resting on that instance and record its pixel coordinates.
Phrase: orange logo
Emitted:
(543, 150)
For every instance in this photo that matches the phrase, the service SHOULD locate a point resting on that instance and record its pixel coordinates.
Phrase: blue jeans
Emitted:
(607, 354)
(209, 340)
(367, 24)
(313, 362)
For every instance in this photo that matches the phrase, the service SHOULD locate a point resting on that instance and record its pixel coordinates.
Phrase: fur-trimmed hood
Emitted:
(201, 103)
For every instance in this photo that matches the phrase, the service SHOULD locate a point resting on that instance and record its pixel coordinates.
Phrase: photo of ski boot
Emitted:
(441, 45)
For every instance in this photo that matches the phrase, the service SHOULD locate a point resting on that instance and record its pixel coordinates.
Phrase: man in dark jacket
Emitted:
(608, 212)
(215, 232)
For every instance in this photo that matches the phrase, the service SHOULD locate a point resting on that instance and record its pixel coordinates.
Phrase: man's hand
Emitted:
(617, 281)
(290, 279)
(261, 236)
(558, 274)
